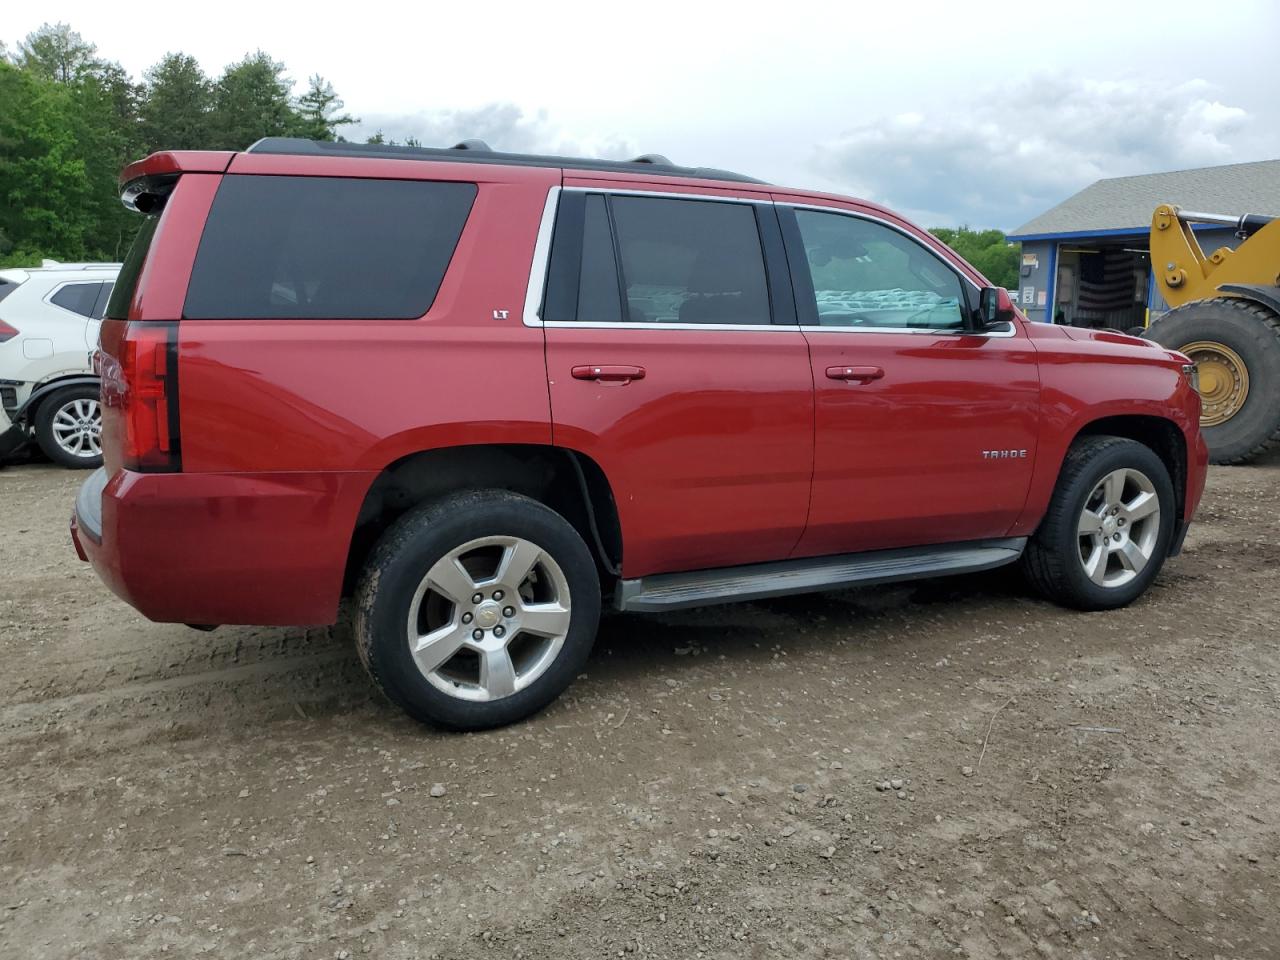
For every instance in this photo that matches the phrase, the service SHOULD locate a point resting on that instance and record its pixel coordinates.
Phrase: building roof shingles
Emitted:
(1128, 202)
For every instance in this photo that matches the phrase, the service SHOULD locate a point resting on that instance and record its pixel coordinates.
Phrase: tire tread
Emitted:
(393, 542)
(1268, 322)
(1045, 565)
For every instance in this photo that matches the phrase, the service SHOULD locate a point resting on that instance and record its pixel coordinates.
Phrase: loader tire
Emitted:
(1236, 345)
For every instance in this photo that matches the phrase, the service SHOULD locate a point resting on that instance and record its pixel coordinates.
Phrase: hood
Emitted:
(1103, 341)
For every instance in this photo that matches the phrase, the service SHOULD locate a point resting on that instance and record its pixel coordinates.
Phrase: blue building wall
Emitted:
(1040, 291)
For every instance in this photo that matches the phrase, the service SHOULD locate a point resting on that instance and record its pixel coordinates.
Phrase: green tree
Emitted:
(319, 111)
(988, 250)
(47, 204)
(177, 108)
(70, 121)
(56, 52)
(251, 101)
(107, 128)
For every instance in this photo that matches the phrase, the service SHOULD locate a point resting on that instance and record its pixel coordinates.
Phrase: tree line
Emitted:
(70, 120)
(988, 250)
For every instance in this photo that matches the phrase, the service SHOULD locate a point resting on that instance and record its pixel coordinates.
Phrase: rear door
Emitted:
(926, 431)
(674, 361)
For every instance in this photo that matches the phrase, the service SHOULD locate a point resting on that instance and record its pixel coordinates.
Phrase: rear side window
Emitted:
(7, 287)
(77, 297)
(127, 278)
(690, 261)
(325, 248)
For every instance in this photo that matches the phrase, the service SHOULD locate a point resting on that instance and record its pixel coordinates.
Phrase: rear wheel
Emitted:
(1107, 530)
(477, 610)
(69, 427)
(1236, 348)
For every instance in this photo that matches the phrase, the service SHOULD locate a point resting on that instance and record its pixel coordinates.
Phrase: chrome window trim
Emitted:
(660, 325)
(541, 256)
(915, 331)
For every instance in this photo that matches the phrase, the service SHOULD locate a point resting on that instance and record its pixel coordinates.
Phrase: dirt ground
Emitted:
(1059, 784)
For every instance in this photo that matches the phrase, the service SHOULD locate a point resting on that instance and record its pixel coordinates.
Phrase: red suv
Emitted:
(483, 392)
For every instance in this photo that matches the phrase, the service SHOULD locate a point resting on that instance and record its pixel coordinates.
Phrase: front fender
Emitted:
(48, 387)
(1083, 382)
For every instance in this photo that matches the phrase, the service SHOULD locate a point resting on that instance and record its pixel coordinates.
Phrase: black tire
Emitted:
(398, 565)
(45, 414)
(1136, 331)
(1052, 560)
(1253, 332)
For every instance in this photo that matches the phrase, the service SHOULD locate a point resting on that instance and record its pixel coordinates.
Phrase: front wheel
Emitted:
(1107, 530)
(69, 427)
(477, 610)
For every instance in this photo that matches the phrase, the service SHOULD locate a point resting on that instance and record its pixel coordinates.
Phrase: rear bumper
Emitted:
(221, 548)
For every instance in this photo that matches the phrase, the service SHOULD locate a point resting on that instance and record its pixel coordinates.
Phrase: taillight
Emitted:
(7, 332)
(144, 385)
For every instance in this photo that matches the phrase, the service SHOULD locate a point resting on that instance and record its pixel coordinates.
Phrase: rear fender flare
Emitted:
(42, 391)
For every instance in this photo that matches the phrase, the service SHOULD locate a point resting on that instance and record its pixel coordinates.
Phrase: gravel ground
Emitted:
(944, 768)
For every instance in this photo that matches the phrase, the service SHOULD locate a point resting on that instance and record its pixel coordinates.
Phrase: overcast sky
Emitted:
(978, 113)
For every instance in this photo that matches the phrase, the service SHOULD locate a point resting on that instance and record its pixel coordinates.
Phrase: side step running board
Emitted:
(675, 591)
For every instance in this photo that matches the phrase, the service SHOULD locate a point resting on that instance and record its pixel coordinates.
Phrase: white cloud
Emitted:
(504, 126)
(1007, 155)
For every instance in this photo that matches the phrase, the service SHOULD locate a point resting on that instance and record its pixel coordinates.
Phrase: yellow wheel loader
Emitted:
(1226, 317)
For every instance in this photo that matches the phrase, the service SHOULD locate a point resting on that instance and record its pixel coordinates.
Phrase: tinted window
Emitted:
(77, 297)
(100, 305)
(598, 293)
(690, 261)
(323, 247)
(868, 275)
(127, 278)
(7, 287)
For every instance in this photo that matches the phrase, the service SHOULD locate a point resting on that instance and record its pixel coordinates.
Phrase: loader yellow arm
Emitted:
(1185, 273)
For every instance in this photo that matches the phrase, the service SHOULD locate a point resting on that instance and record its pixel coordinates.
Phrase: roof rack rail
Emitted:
(477, 151)
(47, 264)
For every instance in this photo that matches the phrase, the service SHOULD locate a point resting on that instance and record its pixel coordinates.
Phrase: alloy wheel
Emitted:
(77, 428)
(489, 618)
(1119, 527)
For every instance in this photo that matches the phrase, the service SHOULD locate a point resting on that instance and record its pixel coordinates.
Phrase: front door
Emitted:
(667, 368)
(925, 431)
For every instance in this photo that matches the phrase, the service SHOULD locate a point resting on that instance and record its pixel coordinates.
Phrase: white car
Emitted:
(49, 320)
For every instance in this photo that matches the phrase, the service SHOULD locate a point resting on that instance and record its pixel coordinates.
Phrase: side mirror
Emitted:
(995, 309)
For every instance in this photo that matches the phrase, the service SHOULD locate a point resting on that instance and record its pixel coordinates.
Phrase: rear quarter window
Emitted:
(77, 297)
(325, 248)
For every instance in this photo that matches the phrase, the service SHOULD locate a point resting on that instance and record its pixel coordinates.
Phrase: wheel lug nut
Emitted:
(477, 634)
(499, 631)
(508, 612)
(476, 598)
(467, 617)
(497, 594)
(1115, 537)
